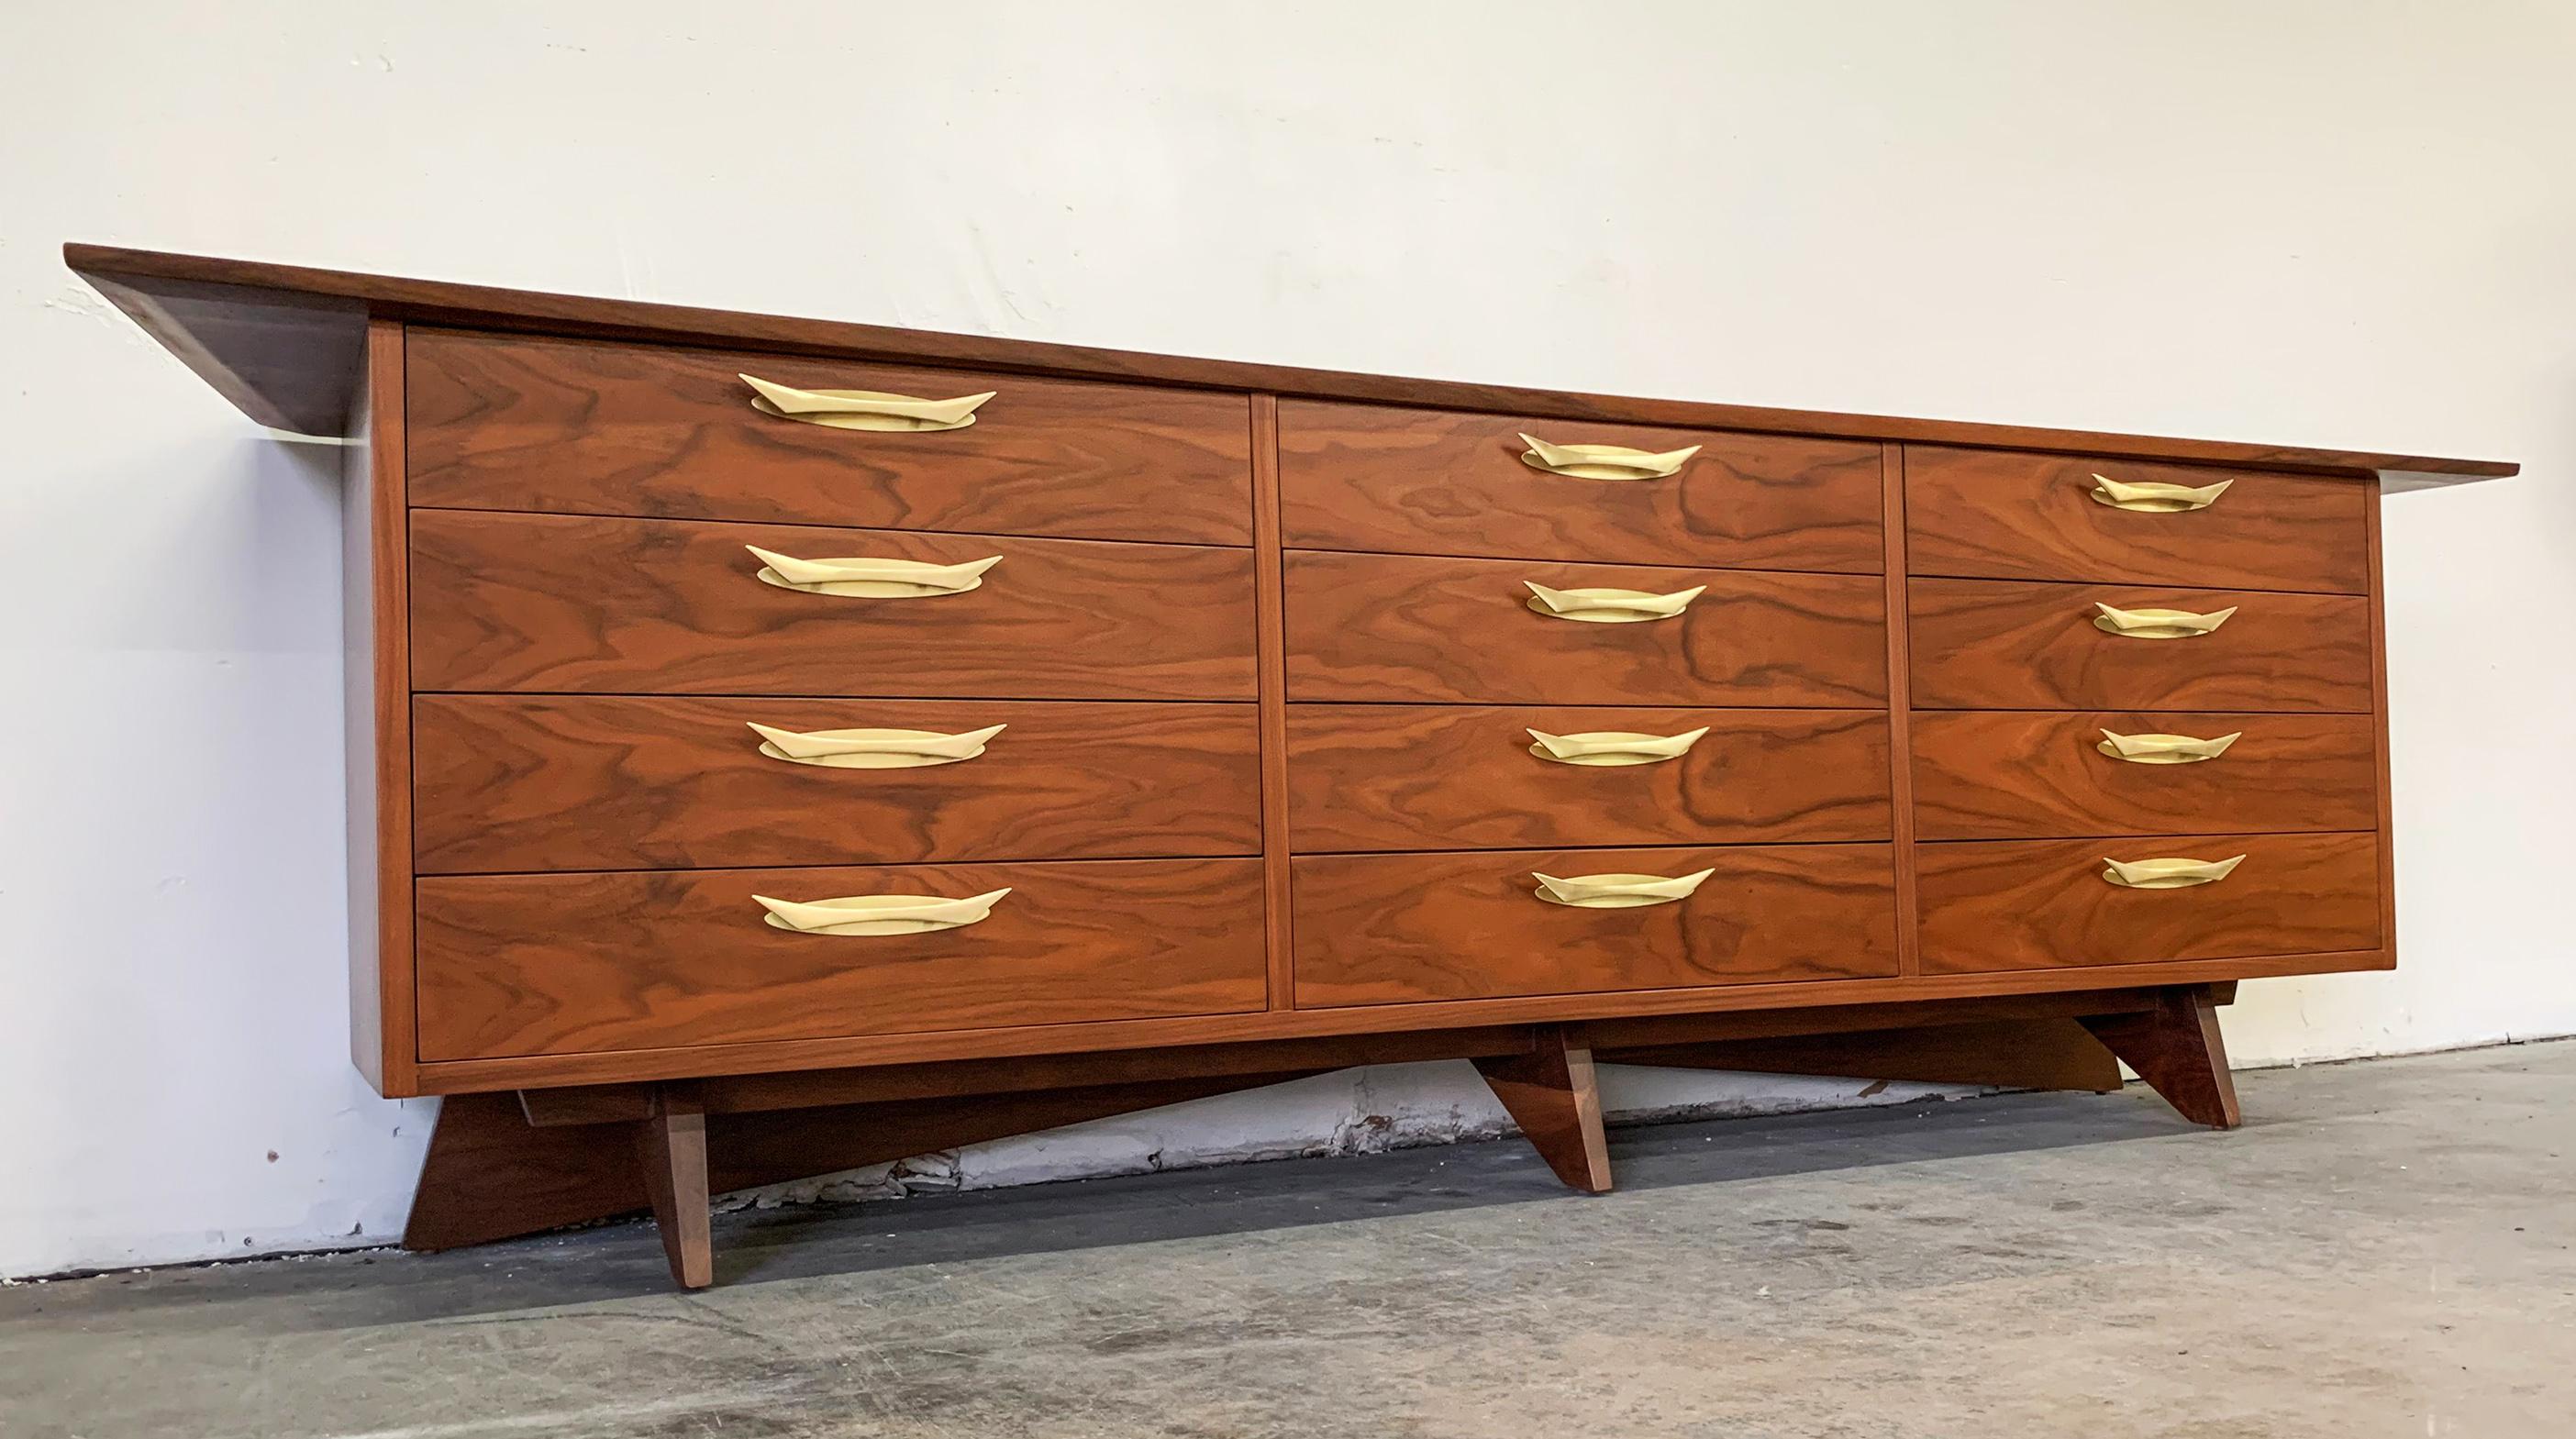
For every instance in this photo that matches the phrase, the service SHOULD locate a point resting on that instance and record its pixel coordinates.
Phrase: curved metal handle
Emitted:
(872, 748)
(2164, 748)
(863, 409)
(2155, 498)
(2158, 624)
(861, 578)
(1617, 891)
(1609, 607)
(2168, 873)
(878, 914)
(1612, 747)
(1602, 462)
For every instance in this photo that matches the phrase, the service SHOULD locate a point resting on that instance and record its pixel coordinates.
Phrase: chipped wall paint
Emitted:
(2226, 232)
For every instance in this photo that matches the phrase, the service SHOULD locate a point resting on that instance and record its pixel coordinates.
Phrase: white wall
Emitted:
(2330, 223)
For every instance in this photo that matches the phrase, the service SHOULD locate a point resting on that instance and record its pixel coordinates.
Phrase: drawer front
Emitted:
(1984, 774)
(1401, 928)
(578, 963)
(2003, 644)
(2043, 904)
(1368, 477)
(502, 422)
(555, 603)
(506, 783)
(1444, 631)
(2016, 516)
(1399, 777)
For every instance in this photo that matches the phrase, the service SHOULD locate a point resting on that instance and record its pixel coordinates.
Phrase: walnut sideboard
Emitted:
(778, 746)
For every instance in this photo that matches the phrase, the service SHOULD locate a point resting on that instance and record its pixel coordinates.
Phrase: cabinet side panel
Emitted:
(375, 601)
(2379, 711)
(1900, 703)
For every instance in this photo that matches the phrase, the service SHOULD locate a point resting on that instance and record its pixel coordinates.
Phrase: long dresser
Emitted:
(778, 746)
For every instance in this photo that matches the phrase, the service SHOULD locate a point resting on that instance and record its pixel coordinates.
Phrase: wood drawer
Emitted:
(1404, 627)
(547, 602)
(1371, 477)
(2018, 516)
(503, 422)
(559, 782)
(2005, 644)
(1986, 774)
(1402, 928)
(1404, 777)
(2043, 904)
(576, 963)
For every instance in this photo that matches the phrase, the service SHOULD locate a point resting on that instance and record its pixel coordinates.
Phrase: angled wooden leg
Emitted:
(672, 1148)
(491, 1175)
(2177, 1049)
(1552, 1095)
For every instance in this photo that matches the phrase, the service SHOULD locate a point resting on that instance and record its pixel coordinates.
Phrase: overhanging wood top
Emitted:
(284, 343)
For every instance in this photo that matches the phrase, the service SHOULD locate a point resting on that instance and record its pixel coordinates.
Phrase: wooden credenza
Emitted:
(757, 780)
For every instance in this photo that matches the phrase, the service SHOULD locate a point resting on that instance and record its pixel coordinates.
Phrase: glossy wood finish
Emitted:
(1404, 928)
(671, 1154)
(1368, 477)
(2006, 644)
(1451, 631)
(565, 963)
(1555, 1098)
(557, 603)
(376, 661)
(1900, 692)
(1399, 777)
(2009, 905)
(571, 782)
(2003, 515)
(2057, 1052)
(2178, 1050)
(236, 322)
(509, 422)
(2379, 721)
(2022, 774)
(1278, 912)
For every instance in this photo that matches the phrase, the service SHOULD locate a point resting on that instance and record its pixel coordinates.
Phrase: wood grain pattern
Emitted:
(1399, 777)
(2023, 774)
(563, 963)
(2179, 1051)
(509, 422)
(2034, 904)
(1369, 477)
(544, 602)
(1460, 631)
(1694, 1003)
(2040, 1053)
(1553, 1094)
(1402, 928)
(195, 305)
(557, 782)
(2379, 724)
(1900, 702)
(376, 663)
(1998, 514)
(1279, 915)
(2009, 644)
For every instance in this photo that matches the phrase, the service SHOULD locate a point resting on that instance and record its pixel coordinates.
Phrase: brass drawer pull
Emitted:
(864, 409)
(1609, 607)
(1617, 891)
(878, 914)
(870, 579)
(872, 748)
(2155, 498)
(2158, 624)
(1612, 747)
(2168, 873)
(1602, 462)
(2164, 748)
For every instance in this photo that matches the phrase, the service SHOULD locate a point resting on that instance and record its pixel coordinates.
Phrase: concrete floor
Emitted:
(2384, 1250)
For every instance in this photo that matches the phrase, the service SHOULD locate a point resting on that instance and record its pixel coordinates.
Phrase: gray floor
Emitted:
(2384, 1250)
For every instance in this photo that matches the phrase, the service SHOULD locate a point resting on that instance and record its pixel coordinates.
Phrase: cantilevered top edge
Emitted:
(284, 344)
